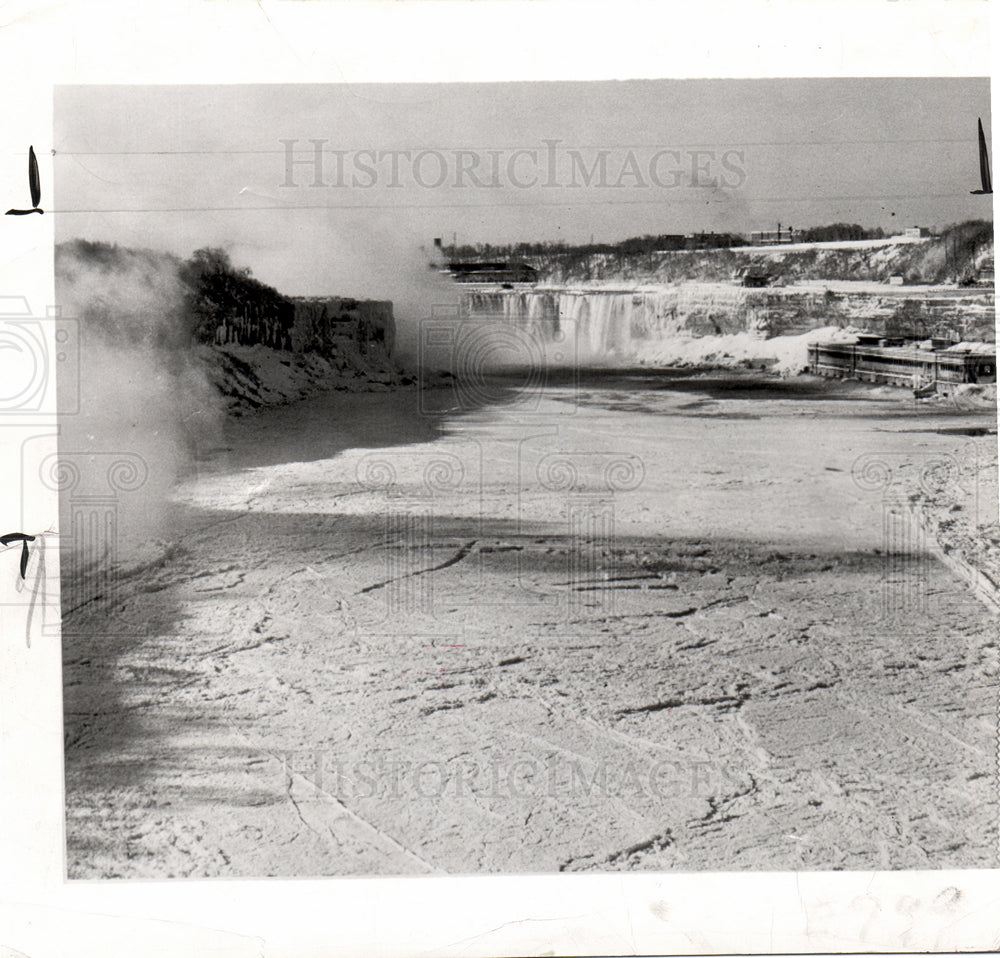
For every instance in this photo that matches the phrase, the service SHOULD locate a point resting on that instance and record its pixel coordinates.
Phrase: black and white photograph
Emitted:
(499, 478)
(527, 477)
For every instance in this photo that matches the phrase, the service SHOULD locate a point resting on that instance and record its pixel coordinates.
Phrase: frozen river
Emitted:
(626, 620)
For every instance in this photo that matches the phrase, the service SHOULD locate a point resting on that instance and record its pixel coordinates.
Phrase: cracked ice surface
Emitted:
(388, 641)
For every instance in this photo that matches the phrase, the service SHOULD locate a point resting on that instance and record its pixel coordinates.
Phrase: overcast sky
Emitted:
(178, 168)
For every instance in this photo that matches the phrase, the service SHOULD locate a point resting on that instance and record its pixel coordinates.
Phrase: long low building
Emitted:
(491, 272)
(884, 361)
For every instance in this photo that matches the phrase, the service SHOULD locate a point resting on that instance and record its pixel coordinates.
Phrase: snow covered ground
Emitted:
(887, 241)
(253, 376)
(784, 354)
(638, 619)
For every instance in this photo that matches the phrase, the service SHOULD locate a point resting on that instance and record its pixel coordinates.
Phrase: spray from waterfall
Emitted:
(145, 401)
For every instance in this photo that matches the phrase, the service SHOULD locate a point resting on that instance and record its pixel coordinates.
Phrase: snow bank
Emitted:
(253, 376)
(868, 244)
(785, 354)
(971, 397)
(923, 260)
(979, 349)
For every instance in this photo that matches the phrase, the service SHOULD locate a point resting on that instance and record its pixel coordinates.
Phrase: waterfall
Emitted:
(609, 325)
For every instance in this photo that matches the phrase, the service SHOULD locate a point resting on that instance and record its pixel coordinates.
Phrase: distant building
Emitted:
(775, 237)
(492, 272)
(712, 240)
(917, 232)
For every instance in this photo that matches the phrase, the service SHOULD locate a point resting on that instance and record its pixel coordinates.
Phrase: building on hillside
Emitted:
(491, 272)
(712, 240)
(775, 237)
(917, 232)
